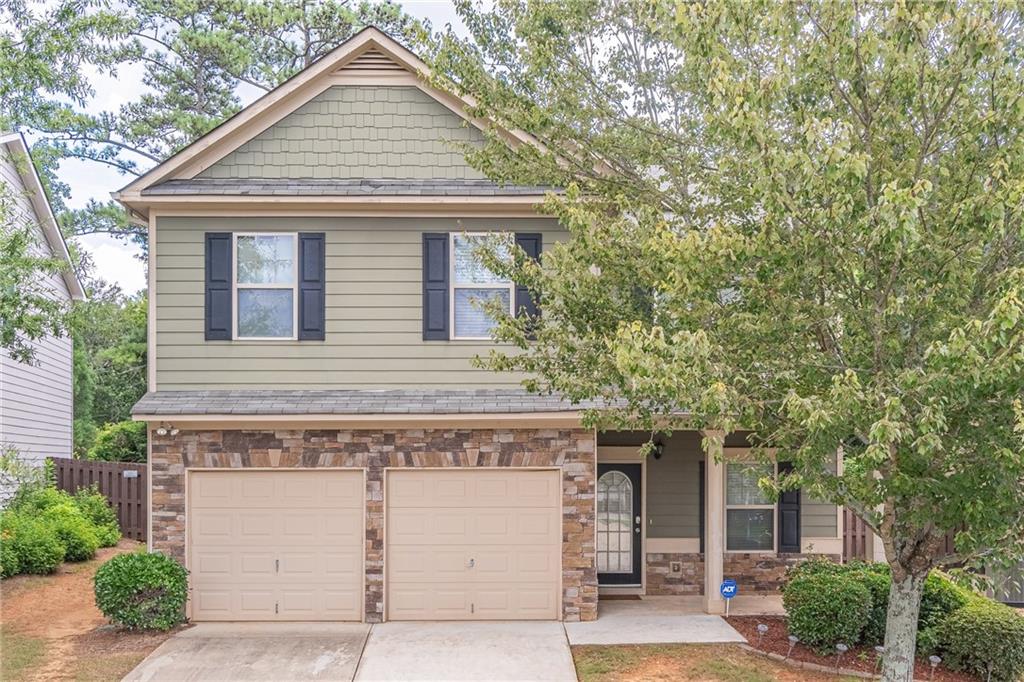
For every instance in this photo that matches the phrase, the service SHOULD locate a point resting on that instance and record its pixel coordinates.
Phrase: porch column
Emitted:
(714, 537)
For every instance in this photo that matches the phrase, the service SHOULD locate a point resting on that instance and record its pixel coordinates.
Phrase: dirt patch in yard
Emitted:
(670, 662)
(860, 658)
(53, 625)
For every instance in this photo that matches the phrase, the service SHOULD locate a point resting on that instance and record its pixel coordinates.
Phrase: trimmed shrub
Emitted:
(35, 500)
(878, 585)
(815, 566)
(143, 591)
(826, 609)
(981, 634)
(941, 597)
(120, 442)
(74, 531)
(34, 542)
(101, 515)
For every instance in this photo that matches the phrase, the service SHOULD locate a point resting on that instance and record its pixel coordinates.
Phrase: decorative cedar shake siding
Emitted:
(572, 450)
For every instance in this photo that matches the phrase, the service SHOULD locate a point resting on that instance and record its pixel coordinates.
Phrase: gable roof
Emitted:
(370, 57)
(15, 145)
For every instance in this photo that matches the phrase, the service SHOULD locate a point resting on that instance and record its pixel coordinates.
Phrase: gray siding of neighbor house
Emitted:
(36, 399)
(373, 310)
(378, 132)
(673, 490)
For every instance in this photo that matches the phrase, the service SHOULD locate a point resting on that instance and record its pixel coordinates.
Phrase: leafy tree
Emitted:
(123, 441)
(200, 60)
(29, 311)
(802, 220)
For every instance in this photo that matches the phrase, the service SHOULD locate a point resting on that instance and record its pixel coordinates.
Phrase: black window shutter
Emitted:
(531, 243)
(789, 516)
(218, 286)
(312, 299)
(435, 286)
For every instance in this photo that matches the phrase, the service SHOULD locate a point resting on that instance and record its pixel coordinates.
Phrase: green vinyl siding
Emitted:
(673, 490)
(373, 310)
(350, 131)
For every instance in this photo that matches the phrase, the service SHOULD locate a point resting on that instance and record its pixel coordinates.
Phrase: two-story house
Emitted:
(36, 410)
(321, 446)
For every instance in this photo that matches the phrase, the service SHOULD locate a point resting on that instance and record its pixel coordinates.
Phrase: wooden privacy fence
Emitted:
(123, 483)
(856, 537)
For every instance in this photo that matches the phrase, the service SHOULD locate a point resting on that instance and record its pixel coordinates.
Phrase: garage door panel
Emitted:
(428, 601)
(508, 523)
(259, 539)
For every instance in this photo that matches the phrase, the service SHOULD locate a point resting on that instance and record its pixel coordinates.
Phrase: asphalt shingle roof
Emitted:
(343, 187)
(299, 402)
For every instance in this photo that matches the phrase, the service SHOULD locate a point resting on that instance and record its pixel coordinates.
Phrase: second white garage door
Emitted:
(276, 545)
(467, 544)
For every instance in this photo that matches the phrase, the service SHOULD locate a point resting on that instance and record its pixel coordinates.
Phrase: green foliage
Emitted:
(120, 442)
(144, 591)
(799, 219)
(29, 311)
(825, 609)
(110, 359)
(34, 542)
(73, 530)
(981, 635)
(95, 507)
(878, 584)
(9, 563)
(941, 597)
(34, 500)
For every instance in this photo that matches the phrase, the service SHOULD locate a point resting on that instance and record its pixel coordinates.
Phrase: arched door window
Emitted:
(614, 523)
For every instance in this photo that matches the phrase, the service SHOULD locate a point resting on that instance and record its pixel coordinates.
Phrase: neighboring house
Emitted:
(36, 399)
(321, 447)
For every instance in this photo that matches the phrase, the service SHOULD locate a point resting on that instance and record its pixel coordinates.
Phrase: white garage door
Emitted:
(473, 544)
(276, 545)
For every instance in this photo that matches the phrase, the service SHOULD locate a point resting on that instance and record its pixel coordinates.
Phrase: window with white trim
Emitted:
(265, 285)
(473, 284)
(749, 512)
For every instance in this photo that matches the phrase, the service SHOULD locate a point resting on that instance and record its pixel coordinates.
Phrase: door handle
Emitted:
(472, 563)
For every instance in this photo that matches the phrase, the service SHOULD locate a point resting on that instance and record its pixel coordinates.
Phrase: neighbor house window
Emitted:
(749, 512)
(265, 286)
(473, 284)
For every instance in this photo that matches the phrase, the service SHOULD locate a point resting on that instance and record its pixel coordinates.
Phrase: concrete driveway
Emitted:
(281, 652)
(256, 651)
(478, 650)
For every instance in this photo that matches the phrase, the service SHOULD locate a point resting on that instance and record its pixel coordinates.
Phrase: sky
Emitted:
(117, 261)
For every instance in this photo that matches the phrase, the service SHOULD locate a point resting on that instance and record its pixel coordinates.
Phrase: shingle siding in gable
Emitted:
(378, 132)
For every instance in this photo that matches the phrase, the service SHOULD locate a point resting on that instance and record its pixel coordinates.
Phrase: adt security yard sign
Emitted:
(728, 590)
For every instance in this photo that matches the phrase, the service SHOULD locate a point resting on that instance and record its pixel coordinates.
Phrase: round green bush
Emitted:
(74, 531)
(144, 591)
(981, 634)
(878, 585)
(34, 543)
(941, 597)
(94, 506)
(37, 499)
(815, 566)
(827, 609)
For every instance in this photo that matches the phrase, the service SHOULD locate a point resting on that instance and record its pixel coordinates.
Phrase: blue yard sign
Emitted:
(728, 588)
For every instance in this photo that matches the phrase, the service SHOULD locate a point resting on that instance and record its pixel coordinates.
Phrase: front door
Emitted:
(618, 524)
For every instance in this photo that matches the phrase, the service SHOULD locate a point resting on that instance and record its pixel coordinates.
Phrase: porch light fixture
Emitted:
(659, 449)
(165, 429)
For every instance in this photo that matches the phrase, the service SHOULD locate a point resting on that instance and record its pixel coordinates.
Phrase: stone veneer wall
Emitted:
(755, 573)
(661, 581)
(761, 573)
(375, 450)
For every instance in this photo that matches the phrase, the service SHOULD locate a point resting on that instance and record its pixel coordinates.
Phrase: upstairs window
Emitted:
(265, 281)
(472, 284)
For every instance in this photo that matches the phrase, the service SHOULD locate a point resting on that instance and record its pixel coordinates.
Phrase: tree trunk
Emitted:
(901, 628)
